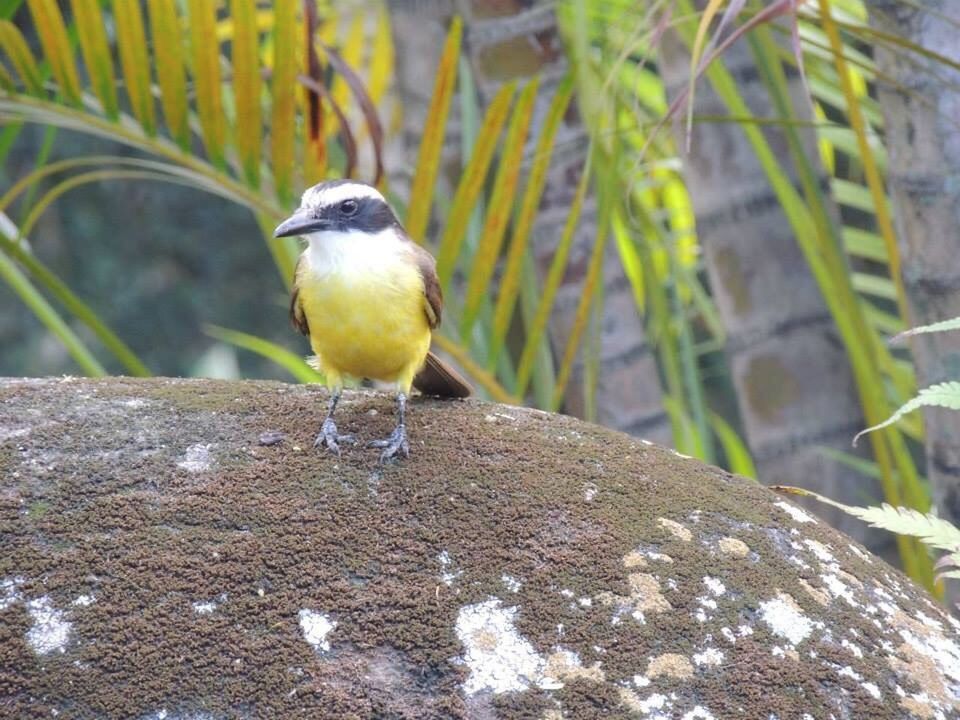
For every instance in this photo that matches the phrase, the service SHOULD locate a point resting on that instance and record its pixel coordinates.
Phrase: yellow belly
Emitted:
(367, 325)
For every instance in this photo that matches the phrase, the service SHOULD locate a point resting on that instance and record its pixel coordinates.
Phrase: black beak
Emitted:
(302, 222)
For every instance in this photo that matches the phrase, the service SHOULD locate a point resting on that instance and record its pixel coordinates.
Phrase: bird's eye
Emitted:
(349, 207)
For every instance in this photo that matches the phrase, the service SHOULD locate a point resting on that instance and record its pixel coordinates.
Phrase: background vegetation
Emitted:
(680, 219)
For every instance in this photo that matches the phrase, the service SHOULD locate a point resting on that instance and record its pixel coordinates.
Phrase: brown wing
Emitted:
(297, 316)
(431, 284)
(436, 377)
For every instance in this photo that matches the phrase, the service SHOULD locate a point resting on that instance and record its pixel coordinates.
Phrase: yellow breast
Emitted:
(364, 304)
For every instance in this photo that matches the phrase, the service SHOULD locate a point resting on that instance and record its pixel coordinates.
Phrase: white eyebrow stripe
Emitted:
(321, 196)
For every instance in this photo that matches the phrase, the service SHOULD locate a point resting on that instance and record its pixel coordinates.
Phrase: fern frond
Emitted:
(942, 326)
(946, 395)
(948, 567)
(932, 531)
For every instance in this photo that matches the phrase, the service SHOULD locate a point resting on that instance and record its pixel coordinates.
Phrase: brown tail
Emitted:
(438, 378)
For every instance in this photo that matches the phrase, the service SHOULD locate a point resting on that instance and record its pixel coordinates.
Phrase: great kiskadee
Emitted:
(368, 298)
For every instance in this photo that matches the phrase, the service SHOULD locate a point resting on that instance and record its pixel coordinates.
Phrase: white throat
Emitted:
(353, 251)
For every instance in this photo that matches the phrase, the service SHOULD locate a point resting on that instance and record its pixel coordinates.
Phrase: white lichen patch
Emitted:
(676, 529)
(849, 672)
(698, 713)
(653, 707)
(12, 433)
(205, 607)
(49, 628)
(796, 513)
(930, 622)
(785, 618)
(710, 657)
(447, 572)
(820, 550)
(83, 600)
(869, 687)
(499, 658)
(511, 583)
(931, 653)
(643, 708)
(10, 591)
(860, 553)
(315, 627)
(197, 458)
(715, 586)
(707, 604)
(653, 702)
(839, 589)
(852, 647)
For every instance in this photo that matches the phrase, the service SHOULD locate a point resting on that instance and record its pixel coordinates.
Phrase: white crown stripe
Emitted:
(324, 195)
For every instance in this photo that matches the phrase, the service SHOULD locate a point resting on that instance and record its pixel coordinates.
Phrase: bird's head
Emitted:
(339, 206)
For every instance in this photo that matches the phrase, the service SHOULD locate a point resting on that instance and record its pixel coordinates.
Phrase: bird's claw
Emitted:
(393, 445)
(330, 438)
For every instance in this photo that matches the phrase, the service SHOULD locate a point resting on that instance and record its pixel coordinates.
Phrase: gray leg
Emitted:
(328, 431)
(396, 443)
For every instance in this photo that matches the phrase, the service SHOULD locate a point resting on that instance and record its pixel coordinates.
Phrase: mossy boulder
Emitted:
(158, 561)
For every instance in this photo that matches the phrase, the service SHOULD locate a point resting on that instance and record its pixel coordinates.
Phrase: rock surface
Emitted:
(158, 561)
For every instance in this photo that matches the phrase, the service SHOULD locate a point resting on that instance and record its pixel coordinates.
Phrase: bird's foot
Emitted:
(330, 438)
(394, 445)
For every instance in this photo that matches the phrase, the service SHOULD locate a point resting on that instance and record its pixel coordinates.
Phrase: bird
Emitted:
(368, 298)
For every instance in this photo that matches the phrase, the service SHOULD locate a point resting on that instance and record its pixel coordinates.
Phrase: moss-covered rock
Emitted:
(159, 562)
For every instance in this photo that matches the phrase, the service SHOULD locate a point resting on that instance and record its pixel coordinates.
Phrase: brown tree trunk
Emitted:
(506, 40)
(794, 385)
(922, 115)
